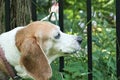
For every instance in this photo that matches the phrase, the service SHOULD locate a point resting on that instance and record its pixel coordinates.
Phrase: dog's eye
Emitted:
(57, 36)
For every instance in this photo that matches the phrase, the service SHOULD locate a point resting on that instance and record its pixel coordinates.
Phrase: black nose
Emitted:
(79, 39)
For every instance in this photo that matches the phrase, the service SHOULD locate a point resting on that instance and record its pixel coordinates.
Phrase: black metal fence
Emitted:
(89, 31)
(89, 39)
(118, 37)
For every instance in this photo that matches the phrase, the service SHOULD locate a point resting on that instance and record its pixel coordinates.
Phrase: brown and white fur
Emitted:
(30, 49)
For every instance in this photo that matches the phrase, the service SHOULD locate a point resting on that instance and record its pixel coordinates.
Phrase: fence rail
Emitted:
(7, 15)
(118, 37)
(89, 39)
(61, 60)
(33, 10)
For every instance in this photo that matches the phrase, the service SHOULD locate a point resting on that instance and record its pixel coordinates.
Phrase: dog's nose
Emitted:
(79, 39)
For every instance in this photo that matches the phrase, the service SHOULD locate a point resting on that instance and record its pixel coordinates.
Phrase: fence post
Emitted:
(89, 40)
(33, 10)
(61, 61)
(7, 15)
(118, 38)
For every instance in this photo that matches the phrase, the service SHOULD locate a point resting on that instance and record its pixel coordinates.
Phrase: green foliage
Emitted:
(56, 74)
(104, 59)
(75, 70)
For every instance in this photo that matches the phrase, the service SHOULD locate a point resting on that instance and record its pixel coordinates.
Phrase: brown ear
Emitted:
(34, 60)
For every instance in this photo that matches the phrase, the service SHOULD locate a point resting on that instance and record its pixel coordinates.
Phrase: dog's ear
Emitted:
(34, 60)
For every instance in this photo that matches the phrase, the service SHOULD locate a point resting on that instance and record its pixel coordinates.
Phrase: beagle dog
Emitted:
(30, 49)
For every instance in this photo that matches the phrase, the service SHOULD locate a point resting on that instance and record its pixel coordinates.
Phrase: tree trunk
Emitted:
(20, 12)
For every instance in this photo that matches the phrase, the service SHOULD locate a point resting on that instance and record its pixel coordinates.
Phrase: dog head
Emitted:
(40, 43)
(55, 43)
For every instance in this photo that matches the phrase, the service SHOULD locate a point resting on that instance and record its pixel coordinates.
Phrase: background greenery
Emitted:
(103, 39)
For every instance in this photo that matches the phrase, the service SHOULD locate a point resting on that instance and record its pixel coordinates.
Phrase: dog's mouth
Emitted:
(72, 52)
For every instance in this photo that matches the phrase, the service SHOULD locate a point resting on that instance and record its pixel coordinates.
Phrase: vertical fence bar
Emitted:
(33, 10)
(7, 15)
(61, 15)
(118, 38)
(61, 60)
(89, 40)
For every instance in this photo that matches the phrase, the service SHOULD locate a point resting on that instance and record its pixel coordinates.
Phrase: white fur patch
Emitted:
(7, 43)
